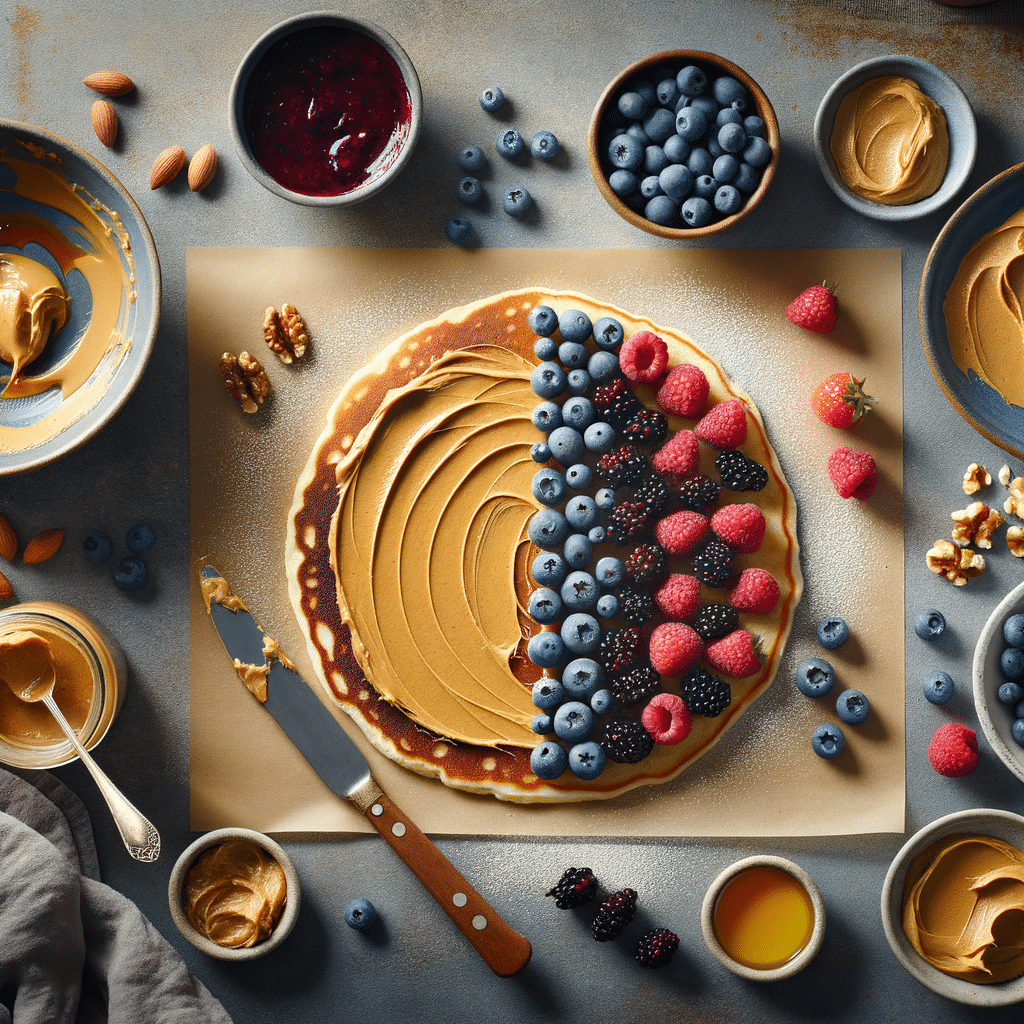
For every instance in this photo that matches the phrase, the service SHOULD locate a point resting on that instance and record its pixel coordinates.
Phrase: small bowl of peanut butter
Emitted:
(234, 894)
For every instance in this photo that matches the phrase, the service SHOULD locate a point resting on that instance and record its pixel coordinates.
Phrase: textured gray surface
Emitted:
(553, 61)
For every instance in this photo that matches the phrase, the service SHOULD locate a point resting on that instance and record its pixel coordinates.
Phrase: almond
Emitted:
(104, 122)
(201, 168)
(109, 83)
(166, 166)
(42, 546)
(8, 540)
(6, 590)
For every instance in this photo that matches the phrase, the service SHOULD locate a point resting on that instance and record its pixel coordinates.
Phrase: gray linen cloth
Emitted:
(71, 948)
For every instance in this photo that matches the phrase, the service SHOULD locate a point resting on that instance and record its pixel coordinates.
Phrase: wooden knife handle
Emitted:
(503, 949)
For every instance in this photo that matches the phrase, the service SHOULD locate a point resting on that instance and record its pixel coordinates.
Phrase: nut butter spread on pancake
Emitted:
(408, 557)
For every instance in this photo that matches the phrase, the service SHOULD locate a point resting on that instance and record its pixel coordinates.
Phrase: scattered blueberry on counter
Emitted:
(938, 687)
(360, 914)
(828, 741)
(97, 546)
(833, 632)
(929, 624)
(815, 677)
(492, 99)
(130, 573)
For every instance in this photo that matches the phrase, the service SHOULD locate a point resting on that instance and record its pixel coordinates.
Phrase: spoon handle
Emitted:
(139, 835)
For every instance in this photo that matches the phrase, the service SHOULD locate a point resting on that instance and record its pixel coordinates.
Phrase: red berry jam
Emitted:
(326, 110)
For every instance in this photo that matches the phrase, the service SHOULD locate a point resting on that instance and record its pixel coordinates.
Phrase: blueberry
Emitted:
(705, 187)
(599, 438)
(938, 687)
(546, 649)
(692, 81)
(676, 149)
(543, 321)
(691, 123)
(130, 573)
(575, 326)
(469, 190)
(545, 349)
(728, 116)
(547, 380)
(492, 98)
(753, 125)
(632, 106)
(574, 721)
(577, 552)
(667, 91)
(626, 152)
(603, 366)
(852, 707)
(547, 416)
(579, 591)
(757, 152)
(676, 181)
(458, 231)
(609, 572)
(705, 104)
(607, 604)
(509, 143)
(549, 569)
(1017, 731)
(832, 632)
(581, 678)
(828, 741)
(815, 677)
(732, 138)
(542, 724)
(1013, 630)
(597, 534)
(929, 624)
(579, 477)
(578, 381)
(547, 693)
(573, 355)
(1011, 661)
(1010, 693)
(360, 914)
(623, 182)
(581, 633)
(97, 546)
(545, 606)
(725, 168)
(540, 452)
(746, 178)
(700, 161)
(548, 529)
(602, 702)
(471, 158)
(578, 412)
(727, 90)
(581, 511)
(659, 124)
(548, 486)
(544, 145)
(586, 760)
(566, 445)
(516, 201)
(1018, 711)
(662, 210)
(608, 333)
(655, 160)
(548, 760)
(697, 212)
(604, 498)
(650, 187)
(727, 200)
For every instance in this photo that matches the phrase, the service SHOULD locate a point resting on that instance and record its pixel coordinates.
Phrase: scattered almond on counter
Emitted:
(166, 166)
(202, 167)
(8, 540)
(104, 122)
(42, 546)
(6, 590)
(109, 83)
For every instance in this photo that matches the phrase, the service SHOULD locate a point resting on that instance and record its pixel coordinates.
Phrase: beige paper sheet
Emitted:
(762, 778)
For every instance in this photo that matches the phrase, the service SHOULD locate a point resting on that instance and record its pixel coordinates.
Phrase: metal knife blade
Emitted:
(344, 769)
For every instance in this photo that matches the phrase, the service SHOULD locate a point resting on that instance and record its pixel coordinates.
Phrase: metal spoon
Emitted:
(139, 835)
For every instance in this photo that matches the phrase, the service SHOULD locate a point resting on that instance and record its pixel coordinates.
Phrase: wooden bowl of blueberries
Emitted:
(683, 144)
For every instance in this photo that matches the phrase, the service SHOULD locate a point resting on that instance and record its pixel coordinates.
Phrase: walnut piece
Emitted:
(976, 524)
(285, 333)
(1004, 475)
(954, 563)
(1015, 540)
(975, 478)
(246, 380)
(1014, 504)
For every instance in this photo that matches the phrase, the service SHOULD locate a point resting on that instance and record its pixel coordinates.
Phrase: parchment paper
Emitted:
(762, 778)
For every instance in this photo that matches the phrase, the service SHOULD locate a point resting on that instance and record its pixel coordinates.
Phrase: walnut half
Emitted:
(976, 524)
(285, 333)
(954, 563)
(245, 379)
(976, 477)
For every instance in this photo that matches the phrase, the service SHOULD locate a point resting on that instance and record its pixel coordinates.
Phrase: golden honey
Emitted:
(763, 918)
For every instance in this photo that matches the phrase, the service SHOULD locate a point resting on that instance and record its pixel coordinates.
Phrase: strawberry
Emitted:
(643, 358)
(724, 426)
(667, 718)
(684, 391)
(682, 532)
(679, 596)
(675, 648)
(679, 457)
(740, 526)
(735, 655)
(755, 590)
(853, 473)
(840, 400)
(814, 308)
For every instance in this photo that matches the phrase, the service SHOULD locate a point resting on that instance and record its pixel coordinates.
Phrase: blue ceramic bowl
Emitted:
(938, 86)
(36, 165)
(979, 404)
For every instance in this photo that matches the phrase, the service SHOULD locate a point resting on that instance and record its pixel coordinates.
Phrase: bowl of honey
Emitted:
(763, 918)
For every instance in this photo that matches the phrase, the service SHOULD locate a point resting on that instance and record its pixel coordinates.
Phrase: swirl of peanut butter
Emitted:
(890, 141)
(431, 520)
(983, 310)
(963, 908)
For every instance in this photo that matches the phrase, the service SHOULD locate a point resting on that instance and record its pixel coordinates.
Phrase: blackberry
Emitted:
(614, 914)
(620, 649)
(704, 693)
(622, 465)
(626, 740)
(713, 564)
(576, 887)
(626, 520)
(655, 494)
(616, 402)
(698, 492)
(636, 605)
(739, 473)
(647, 565)
(646, 426)
(634, 685)
(657, 947)
(715, 620)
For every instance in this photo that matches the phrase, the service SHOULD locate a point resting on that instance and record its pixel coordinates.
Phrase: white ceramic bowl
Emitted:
(200, 941)
(996, 823)
(938, 86)
(994, 716)
(386, 168)
(707, 919)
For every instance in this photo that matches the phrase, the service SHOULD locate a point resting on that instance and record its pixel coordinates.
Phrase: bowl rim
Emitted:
(1013, 601)
(771, 136)
(978, 820)
(961, 162)
(240, 80)
(707, 918)
(41, 455)
(201, 942)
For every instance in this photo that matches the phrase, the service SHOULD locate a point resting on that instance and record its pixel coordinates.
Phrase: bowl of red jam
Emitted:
(325, 110)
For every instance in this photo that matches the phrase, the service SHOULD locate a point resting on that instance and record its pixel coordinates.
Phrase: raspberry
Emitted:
(724, 426)
(679, 457)
(674, 648)
(657, 947)
(646, 426)
(704, 693)
(815, 308)
(634, 685)
(716, 620)
(576, 887)
(655, 494)
(626, 520)
(626, 740)
(853, 473)
(684, 391)
(614, 914)
(636, 606)
(740, 526)
(698, 492)
(647, 564)
(620, 649)
(622, 466)
(953, 751)
(679, 596)
(740, 473)
(734, 655)
(667, 719)
(682, 532)
(714, 563)
(616, 402)
(755, 590)
(643, 358)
